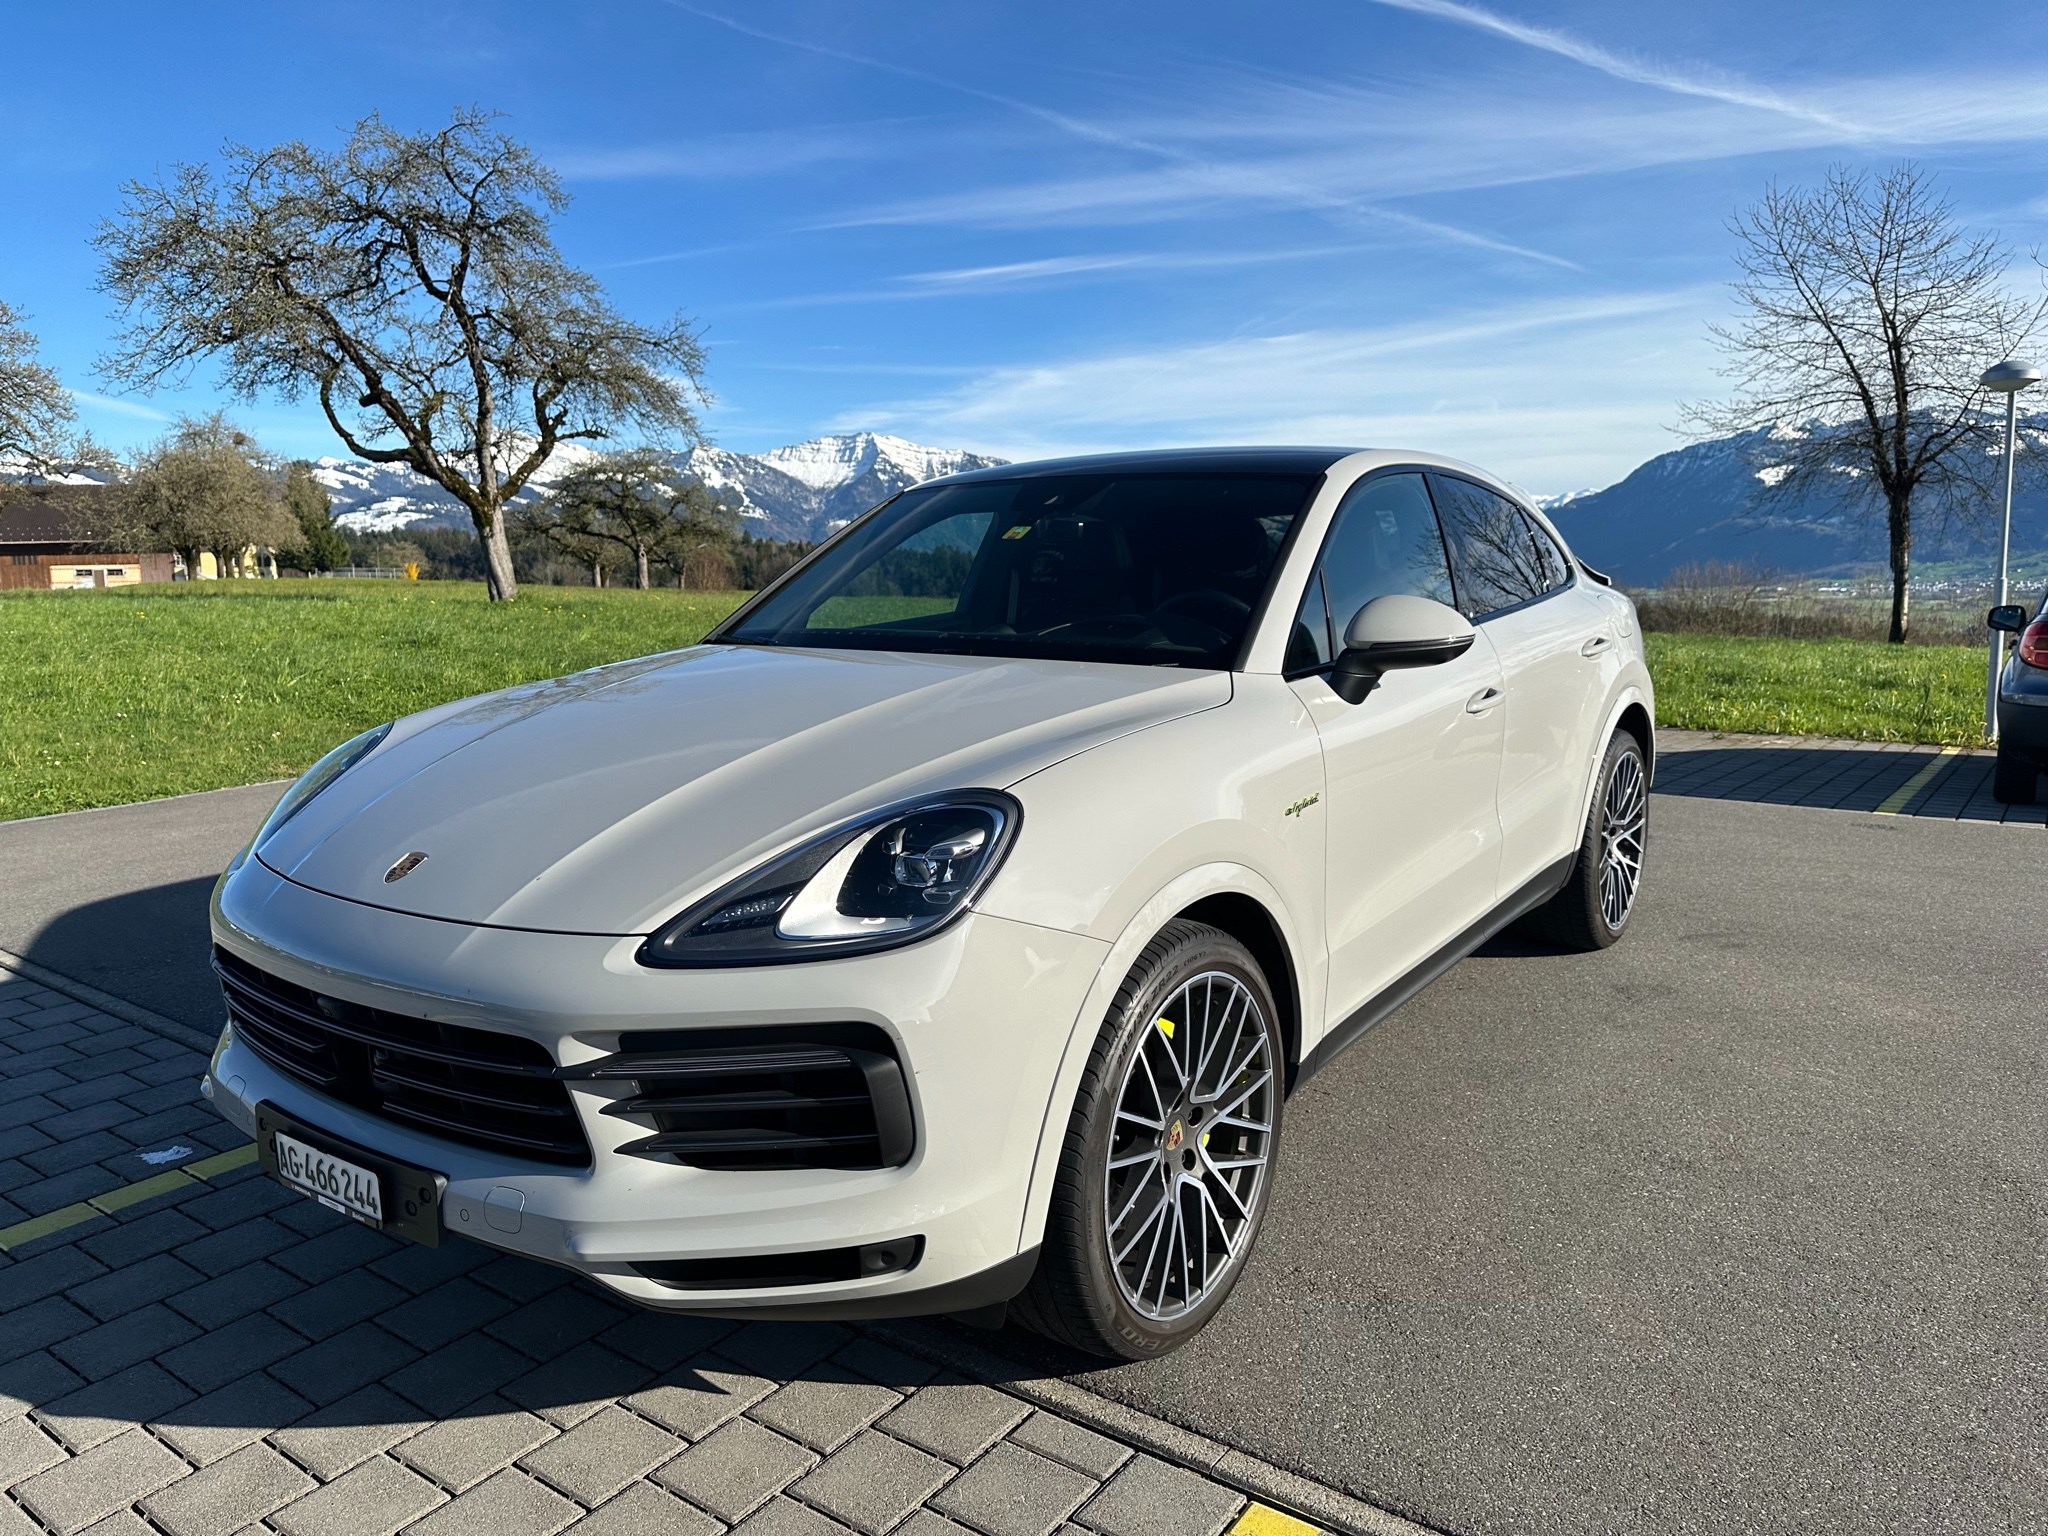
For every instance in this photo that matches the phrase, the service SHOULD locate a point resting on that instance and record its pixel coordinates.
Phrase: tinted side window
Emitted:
(1550, 560)
(1384, 540)
(1492, 547)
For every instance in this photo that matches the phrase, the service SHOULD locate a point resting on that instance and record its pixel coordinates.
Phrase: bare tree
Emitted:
(1869, 316)
(80, 453)
(204, 489)
(636, 502)
(412, 285)
(35, 410)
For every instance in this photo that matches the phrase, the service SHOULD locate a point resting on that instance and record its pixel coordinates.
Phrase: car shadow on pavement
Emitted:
(1904, 779)
(407, 1337)
(1519, 941)
(148, 947)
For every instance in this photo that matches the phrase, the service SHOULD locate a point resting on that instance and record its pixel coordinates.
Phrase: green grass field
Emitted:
(133, 693)
(1855, 688)
(137, 692)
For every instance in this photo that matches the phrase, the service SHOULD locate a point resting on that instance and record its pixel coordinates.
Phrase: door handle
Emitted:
(1482, 701)
(1596, 645)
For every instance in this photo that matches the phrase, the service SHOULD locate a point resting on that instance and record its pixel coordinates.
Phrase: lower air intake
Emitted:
(758, 1271)
(814, 1096)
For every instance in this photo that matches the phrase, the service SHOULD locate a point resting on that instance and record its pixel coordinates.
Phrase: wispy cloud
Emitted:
(1709, 84)
(1005, 273)
(1219, 180)
(1078, 127)
(1266, 186)
(1354, 151)
(1260, 144)
(118, 406)
(1563, 394)
(1452, 234)
(690, 253)
(1115, 263)
(765, 153)
(871, 369)
(960, 282)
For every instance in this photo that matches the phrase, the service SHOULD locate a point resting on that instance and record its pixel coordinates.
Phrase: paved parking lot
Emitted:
(1734, 1228)
(188, 1348)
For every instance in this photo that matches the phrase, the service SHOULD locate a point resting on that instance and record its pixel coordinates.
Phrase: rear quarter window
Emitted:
(1499, 557)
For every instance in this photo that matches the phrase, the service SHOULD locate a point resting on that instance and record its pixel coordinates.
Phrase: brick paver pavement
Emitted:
(206, 1354)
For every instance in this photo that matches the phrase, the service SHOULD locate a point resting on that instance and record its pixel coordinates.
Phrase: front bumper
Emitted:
(981, 1016)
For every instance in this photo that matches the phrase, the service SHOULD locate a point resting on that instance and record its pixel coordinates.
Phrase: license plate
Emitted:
(398, 1198)
(335, 1182)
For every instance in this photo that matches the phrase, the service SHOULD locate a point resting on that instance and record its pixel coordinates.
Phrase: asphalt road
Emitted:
(1736, 1227)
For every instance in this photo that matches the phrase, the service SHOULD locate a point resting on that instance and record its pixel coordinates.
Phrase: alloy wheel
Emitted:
(1192, 1143)
(1624, 819)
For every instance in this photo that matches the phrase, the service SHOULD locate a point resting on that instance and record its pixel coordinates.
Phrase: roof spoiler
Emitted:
(1602, 577)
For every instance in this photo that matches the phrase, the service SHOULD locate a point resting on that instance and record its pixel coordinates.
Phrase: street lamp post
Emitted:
(2008, 379)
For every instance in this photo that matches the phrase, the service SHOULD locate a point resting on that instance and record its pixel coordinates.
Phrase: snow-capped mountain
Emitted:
(1701, 503)
(802, 491)
(17, 471)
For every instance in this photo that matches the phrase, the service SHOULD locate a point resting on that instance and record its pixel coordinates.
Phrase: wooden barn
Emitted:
(44, 543)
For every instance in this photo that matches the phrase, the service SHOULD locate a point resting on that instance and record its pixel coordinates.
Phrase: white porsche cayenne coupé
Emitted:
(948, 930)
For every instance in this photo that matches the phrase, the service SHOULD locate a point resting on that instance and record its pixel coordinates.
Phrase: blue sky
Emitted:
(1493, 231)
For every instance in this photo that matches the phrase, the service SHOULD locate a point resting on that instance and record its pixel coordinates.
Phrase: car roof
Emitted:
(1266, 459)
(1166, 461)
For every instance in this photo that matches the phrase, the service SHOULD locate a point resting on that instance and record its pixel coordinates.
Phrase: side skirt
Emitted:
(1531, 896)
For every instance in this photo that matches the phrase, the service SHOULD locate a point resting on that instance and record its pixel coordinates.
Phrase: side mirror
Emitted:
(2009, 617)
(1397, 631)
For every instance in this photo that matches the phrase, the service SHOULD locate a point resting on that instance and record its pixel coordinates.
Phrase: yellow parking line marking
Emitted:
(142, 1189)
(221, 1162)
(42, 1226)
(113, 1200)
(1261, 1520)
(1895, 802)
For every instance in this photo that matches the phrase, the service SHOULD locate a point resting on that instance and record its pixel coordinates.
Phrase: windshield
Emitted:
(1160, 569)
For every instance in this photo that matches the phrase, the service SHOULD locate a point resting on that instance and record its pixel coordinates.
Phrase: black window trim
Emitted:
(1321, 668)
(1382, 472)
(1571, 566)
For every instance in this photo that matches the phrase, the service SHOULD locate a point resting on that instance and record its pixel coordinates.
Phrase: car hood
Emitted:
(607, 801)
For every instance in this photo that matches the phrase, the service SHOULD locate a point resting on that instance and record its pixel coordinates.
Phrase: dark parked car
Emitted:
(2022, 704)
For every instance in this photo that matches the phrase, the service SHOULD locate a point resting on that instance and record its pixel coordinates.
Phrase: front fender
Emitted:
(1118, 839)
(1154, 913)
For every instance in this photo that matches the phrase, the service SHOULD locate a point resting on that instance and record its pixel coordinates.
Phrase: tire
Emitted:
(1599, 896)
(2013, 778)
(1207, 986)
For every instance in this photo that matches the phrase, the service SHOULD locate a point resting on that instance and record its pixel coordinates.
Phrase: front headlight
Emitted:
(888, 879)
(319, 776)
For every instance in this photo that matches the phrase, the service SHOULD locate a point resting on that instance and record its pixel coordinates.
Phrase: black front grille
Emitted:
(814, 1096)
(474, 1086)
